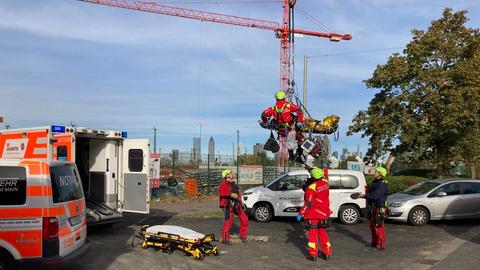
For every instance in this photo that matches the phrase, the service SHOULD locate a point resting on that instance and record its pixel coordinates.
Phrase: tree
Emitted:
(429, 98)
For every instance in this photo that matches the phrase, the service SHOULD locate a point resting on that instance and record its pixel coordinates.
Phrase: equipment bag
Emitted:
(271, 144)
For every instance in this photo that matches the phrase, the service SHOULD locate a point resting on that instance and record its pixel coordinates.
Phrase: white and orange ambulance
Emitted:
(42, 214)
(114, 170)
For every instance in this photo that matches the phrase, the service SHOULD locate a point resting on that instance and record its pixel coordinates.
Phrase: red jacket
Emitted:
(224, 190)
(282, 113)
(317, 201)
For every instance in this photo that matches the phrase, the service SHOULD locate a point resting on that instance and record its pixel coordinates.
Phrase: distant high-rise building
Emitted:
(197, 149)
(344, 154)
(335, 154)
(211, 151)
(175, 154)
(258, 149)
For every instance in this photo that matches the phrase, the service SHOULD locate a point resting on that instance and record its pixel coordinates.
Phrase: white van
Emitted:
(284, 196)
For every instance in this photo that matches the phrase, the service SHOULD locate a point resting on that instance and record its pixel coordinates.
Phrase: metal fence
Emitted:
(251, 170)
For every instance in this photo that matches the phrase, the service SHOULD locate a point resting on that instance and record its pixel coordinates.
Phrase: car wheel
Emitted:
(262, 213)
(349, 214)
(418, 216)
(6, 261)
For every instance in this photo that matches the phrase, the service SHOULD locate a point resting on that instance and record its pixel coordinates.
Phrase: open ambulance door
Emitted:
(136, 187)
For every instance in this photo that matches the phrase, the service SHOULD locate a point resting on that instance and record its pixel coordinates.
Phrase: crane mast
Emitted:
(283, 31)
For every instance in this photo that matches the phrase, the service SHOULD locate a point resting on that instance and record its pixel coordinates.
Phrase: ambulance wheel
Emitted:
(262, 212)
(6, 261)
(349, 214)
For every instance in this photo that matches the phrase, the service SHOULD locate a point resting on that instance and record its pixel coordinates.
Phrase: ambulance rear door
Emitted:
(135, 169)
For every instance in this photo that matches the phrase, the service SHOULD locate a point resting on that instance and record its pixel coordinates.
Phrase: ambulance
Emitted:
(113, 169)
(42, 214)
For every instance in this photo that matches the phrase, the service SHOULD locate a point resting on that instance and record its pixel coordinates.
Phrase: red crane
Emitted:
(283, 31)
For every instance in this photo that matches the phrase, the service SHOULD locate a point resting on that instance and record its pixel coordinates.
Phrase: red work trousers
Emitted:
(227, 225)
(378, 233)
(316, 233)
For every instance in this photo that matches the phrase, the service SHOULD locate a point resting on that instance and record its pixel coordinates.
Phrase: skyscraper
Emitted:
(211, 151)
(197, 149)
(335, 154)
(258, 149)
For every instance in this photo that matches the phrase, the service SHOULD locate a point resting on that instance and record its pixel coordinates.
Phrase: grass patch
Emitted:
(184, 199)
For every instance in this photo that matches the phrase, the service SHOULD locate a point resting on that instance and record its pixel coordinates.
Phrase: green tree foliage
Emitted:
(429, 100)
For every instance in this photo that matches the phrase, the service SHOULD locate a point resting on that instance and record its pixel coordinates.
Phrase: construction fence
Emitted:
(182, 173)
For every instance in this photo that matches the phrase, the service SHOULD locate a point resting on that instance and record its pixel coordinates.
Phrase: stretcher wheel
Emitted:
(200, 256)
(144, 245)
(216, 253)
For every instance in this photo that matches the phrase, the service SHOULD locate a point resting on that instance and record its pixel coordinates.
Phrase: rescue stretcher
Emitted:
(169, 238)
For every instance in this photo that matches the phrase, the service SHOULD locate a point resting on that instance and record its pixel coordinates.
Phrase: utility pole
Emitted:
(155, 140)
(305, 59)
(238, 156)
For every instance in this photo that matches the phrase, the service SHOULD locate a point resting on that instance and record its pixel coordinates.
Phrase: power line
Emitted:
(355, 52)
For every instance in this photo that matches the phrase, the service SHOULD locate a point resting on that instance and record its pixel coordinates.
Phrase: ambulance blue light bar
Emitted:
(58, 129)
(124, 134)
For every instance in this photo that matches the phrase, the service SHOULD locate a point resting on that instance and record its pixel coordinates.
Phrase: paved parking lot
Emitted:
(441, 245)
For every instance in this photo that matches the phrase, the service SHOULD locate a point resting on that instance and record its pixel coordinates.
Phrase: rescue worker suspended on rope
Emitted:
(283, 116)
(287, 119)
(231, 203)
(316, 211)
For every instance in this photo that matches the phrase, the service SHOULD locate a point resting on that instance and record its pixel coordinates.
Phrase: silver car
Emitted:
(436, 199)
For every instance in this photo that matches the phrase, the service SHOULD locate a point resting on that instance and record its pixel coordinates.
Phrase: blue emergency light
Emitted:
(124, 134)
(58, 129)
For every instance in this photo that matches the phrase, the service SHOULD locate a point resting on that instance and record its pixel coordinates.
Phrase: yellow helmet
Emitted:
(225, 173)
(280, 95)
(317, 173)
(382, 171)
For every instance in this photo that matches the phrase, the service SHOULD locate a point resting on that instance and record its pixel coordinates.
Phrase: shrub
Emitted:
(398, 183)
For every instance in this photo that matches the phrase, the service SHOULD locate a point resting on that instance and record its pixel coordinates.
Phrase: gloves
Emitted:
(299, 217)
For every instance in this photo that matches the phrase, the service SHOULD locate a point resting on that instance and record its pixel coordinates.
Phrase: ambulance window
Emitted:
(135, 160)
(62, 153)
(66, 183)
(13, 185)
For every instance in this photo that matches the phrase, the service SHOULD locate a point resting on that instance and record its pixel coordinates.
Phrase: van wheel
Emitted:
(418, 216)
(6, 261)
(262, 212)
(349, 214)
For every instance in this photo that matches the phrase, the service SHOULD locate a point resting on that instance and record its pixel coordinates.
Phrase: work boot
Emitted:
(226, 242)
(324, 256)
(291, 155)
(312, 258)
(244, 240)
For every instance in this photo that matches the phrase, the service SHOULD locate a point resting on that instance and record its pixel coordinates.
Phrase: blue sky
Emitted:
(103, 67)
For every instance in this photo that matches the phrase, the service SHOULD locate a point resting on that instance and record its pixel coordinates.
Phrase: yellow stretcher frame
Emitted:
(168, 243)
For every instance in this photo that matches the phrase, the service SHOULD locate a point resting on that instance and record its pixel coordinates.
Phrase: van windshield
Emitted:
(420, 188)
(66, 183)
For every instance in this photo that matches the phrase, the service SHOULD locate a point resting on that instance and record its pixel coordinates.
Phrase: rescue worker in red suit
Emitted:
(231, 203)
(376, 200)
(286, 117)
(316, 212)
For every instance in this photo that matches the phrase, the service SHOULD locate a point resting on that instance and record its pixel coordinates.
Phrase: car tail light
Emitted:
(50, 228)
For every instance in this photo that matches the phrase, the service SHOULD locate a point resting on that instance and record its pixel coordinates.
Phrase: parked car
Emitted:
(436, 199)
(284, 196)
